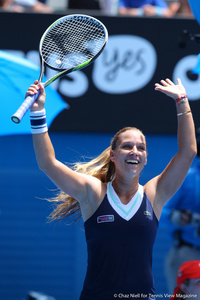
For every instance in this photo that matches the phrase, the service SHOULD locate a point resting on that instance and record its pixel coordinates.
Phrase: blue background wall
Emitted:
(51, 257)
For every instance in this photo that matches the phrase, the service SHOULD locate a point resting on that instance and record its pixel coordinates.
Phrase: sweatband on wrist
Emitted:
(38, 121)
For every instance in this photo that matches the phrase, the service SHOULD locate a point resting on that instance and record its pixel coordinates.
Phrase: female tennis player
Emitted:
(120, 215)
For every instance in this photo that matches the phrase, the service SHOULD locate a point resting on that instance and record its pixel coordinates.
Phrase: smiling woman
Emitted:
(120, 215)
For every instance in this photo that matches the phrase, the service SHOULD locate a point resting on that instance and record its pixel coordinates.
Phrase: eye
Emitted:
(142, 148)
(126, 146)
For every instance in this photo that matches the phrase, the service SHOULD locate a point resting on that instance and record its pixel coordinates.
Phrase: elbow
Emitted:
(49, 166)
(192, 153)
(189, 154)
(45, 161)
(194, 149)
(45, 165)
(42, 166)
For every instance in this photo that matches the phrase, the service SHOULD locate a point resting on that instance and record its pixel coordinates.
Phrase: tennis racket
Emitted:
(71, 43)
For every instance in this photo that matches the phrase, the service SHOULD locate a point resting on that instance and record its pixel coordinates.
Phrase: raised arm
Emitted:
(165, 185)
(79, 186)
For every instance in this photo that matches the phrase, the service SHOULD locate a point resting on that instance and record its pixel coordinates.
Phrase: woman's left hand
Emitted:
(170, 89)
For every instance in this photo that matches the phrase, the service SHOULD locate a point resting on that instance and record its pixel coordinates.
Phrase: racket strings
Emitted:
(72, 42)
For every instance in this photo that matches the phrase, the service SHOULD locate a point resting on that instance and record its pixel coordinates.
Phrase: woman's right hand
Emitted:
(39, 103)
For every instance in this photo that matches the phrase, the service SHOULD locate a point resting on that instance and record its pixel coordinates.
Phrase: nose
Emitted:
(133, 150)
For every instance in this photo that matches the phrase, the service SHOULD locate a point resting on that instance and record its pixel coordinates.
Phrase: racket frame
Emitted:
(79, 67)
(28, 102)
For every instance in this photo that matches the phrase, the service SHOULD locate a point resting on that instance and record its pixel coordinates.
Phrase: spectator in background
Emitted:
(84, 4)
(188, 281)
(8, 5)
(108, 7)
(181, 215)
(24, 6)
(144, 7)
(181, 7)
(34, 6)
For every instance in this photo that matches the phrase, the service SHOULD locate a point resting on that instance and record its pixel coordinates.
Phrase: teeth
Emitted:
(130, 161)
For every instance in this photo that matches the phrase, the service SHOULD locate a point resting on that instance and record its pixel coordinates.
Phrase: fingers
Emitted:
(161, 85)
(33, 89)
(179, 81)
(164, 83)
(169, 81)
(158, 86)
(41, 87)
(170, 89)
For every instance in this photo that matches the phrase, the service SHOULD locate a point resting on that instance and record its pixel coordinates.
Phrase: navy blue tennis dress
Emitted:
(120, 241)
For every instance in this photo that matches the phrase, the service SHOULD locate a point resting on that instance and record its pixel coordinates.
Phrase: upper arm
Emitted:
(77, 185)
(87, 190)
(162, 187)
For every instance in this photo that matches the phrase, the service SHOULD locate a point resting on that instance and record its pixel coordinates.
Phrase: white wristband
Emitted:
(38, 121)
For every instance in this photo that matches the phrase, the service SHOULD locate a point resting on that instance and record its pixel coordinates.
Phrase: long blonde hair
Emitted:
(100, 167)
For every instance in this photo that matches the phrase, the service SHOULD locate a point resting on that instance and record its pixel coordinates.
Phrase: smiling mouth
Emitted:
(132, 161)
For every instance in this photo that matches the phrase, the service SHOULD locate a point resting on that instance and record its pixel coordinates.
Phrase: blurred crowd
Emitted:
(164, 8)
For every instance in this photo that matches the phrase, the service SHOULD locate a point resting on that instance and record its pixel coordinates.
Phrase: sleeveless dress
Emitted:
(120, 241)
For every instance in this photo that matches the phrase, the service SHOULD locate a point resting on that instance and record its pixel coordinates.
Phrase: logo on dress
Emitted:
(105, 219)
(147, 213)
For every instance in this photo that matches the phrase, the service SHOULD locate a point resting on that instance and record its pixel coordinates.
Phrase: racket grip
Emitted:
(22, 110)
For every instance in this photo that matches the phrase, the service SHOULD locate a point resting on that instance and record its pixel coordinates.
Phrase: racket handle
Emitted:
(22, 110)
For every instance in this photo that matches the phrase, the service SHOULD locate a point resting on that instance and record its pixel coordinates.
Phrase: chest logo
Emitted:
(105, 219)
(147, 213)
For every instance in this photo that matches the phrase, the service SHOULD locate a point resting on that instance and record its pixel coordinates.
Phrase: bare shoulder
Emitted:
(95, 195)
